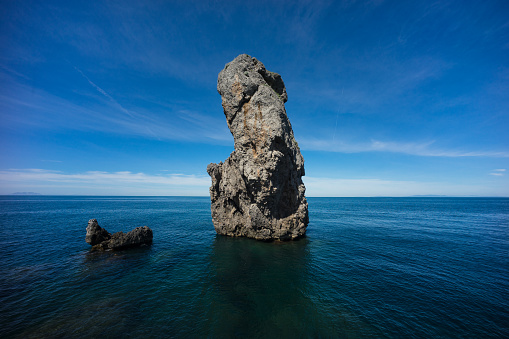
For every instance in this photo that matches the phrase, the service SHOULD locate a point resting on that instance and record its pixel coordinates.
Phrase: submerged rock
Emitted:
(99, 238)
(258, 191)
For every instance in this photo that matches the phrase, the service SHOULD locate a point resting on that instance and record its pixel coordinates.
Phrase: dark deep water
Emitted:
(369, 267)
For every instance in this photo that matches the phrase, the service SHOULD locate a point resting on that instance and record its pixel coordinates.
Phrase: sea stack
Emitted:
(100, 239)
(258, 191)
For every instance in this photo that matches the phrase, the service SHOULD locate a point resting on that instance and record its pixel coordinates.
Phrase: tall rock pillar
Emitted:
(258, 191)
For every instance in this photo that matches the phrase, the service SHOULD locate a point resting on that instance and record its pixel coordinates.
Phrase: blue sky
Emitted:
(386, 98)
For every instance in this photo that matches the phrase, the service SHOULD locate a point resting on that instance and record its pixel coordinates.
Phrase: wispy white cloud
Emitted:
(333, 187)
(103, 92)
(22, 105)
(129, 183)
(345, 84)
(498, 172)
(100, 182)
(103, 177)
(420, 149)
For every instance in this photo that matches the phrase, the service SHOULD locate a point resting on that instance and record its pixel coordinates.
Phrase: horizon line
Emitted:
(206, 196)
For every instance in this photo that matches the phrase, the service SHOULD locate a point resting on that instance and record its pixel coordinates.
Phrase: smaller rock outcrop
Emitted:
(100, 239)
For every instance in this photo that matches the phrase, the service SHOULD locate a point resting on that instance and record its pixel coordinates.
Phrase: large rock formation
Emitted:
(101, 239)
(258, 191)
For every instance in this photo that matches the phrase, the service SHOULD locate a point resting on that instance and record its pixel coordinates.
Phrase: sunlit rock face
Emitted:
(258, 191)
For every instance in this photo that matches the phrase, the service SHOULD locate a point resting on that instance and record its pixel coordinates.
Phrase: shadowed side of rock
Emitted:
(258, 191)
(100, 239)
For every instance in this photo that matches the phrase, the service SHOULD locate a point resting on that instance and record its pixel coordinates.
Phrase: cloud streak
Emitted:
(334, 187)
(100, 182)
(103, 92)
(498, 172)
(103, 177)
(419, 149)
(22, 106)
(129, 183)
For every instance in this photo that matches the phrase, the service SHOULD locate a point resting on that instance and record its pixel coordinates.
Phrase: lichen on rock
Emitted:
(258, 191)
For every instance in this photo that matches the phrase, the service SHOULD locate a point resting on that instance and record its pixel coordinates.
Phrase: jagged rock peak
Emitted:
(100, 239)
(258, 191)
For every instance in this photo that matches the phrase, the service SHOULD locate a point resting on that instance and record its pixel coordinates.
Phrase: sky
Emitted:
(386, 98)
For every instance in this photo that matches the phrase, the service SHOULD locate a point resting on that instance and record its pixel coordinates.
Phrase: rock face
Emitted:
(258, 191)
(101, 239)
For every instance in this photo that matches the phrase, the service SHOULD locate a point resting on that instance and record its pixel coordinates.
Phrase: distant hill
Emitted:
(26, 193)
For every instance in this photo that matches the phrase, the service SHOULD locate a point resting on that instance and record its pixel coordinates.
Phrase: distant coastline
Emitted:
(26, 193)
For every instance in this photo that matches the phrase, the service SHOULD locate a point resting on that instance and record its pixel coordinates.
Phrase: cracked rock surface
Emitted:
(258, 191)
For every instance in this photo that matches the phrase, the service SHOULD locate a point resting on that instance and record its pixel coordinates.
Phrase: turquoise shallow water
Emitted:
(369, 267)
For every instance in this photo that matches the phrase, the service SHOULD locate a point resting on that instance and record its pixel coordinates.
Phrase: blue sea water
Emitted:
(369, 267)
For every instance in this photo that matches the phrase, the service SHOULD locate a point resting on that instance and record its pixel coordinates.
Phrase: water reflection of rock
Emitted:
(102, 267)
(261, 289)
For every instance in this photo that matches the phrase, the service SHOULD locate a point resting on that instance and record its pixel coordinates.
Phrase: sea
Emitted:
(368, 268)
